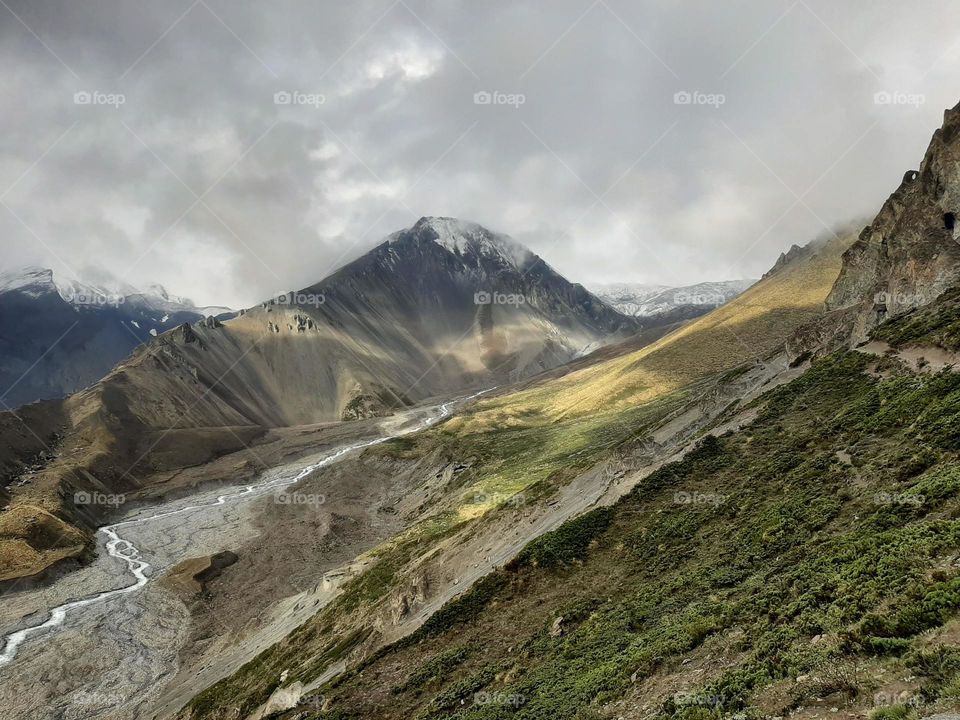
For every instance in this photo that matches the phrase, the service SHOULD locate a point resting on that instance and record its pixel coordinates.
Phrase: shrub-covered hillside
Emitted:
(805, 566)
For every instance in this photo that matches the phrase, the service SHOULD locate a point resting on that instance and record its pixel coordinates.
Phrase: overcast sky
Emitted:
(182, 165)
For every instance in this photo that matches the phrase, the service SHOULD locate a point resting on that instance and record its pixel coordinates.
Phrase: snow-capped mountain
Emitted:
(59, 334)
(663, 303)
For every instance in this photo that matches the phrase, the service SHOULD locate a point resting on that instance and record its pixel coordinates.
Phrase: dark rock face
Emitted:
(909, 254)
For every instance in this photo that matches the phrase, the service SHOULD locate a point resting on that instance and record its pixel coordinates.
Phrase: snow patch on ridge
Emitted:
(464, 238)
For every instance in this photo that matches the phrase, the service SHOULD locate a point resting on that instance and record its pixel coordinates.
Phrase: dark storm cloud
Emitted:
(199, 180)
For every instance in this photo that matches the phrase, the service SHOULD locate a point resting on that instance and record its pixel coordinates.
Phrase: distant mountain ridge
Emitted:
(437, 307)
(664, 303)
(60, 335)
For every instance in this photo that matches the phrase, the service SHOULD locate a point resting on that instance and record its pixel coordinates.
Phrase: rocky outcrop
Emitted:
(909, 254)
(794, 253)
(185, 334)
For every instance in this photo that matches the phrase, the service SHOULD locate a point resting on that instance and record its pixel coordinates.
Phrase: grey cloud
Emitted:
(696, 192)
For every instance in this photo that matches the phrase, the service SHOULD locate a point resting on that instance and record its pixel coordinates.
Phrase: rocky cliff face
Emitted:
(909, 254)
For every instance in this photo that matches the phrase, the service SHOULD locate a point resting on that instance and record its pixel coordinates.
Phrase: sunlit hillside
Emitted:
(745, 330)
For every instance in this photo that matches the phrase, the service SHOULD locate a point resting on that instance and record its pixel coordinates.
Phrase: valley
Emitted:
(134, 622)
(557, 361)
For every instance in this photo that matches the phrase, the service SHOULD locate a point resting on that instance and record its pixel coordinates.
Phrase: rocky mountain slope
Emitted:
(441, 306)
(660, 303)
(58, 336)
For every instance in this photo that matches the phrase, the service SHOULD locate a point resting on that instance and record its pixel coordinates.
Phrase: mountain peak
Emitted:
(465, 238)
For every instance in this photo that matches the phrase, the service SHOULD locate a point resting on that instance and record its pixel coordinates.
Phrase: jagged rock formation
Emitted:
(909, 254)
(794, 253)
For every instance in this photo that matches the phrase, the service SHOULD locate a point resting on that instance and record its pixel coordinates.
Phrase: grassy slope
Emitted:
(510, 464)
(797, 564)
